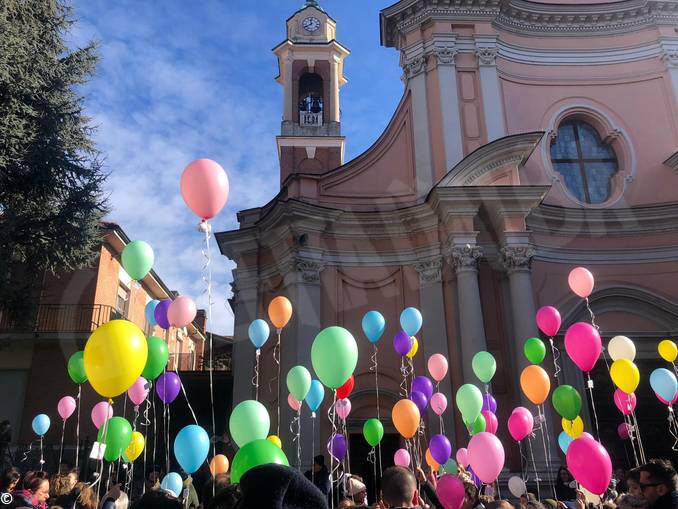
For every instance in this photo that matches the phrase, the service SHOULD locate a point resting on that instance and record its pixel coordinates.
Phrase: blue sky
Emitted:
(180, 80)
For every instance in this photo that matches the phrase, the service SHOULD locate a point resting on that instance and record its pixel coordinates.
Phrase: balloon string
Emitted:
(183, 391)
(61, 448)
(313, 446)
(672, 428)
(296, 437)
(641, 449)
(331, 414)
(167, 439)
(627, 420)
(347, 466)
(42, 458)
(534, 466)
(255, 379)
(148, 406)
(276, 357)
(375, 367)
(155, 431)
(547, 449)
(77, 430)
(589, 385)
(593, 317)
(556, 357)
(403, 384)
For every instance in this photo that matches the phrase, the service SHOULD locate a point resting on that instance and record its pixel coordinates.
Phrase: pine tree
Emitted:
(51, 175)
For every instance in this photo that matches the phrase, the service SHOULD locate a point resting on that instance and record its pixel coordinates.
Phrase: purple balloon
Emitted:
(337, 446)
(402, 343)
(489, 403)
(168, 386)
(440, 448)
(423, 385)
(420, 400)
(160, 313)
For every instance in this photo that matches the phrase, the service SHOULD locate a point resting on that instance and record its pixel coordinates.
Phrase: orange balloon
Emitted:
(280, 311)
(535, 384)
(406, 418)
(219, 464)
(431, 462)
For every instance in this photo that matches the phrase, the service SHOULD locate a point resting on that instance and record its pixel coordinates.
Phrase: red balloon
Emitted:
(346, 389)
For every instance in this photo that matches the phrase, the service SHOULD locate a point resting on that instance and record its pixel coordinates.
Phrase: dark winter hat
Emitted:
(279, 487)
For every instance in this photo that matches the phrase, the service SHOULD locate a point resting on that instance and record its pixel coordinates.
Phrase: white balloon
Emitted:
(517, 486)
(621, 347)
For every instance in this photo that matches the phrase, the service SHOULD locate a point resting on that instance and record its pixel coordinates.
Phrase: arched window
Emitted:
(585, 162)
(311, 93)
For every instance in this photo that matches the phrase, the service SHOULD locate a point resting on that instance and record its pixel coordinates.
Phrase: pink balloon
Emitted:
(583, 345)
(343, 408)
(101, 412)
(581, 282)
(450, 491)
(626, 403)
(548, 320)
(138, 392)
(590, 464)
(520, 423)
(437, 366)
(402, 458)
(293, 403)
(204, 186)
(624, 431)
(462, 457)
(486, 456)
(438, 403)
(181, 312)
(66, 407)
(491, 422)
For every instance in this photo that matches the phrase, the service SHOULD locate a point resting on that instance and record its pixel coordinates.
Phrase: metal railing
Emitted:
(62, 318)
(194, 362)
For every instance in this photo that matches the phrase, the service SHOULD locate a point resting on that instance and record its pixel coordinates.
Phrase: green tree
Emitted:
(51, 175)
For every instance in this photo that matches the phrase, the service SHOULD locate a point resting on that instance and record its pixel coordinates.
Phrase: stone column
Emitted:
(493, 101)
(242, 361)
(670, 58)
(434, 334)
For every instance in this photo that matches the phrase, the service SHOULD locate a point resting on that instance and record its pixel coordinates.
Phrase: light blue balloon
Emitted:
(172, 482)
(564, 441)
(373, 325)
(191, 446)
(149, 311)
(664, 383)
(315, 395)
(410, 321)
(258, 332)
(41, 424)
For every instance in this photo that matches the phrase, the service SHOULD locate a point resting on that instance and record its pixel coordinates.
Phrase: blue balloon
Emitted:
(258, 332)
(664, 383)
(373, 325)
(41, 424)
(564, 441)
(410, 321)
(172, 482)
(315, 395)
(191, 446)
(149, 311)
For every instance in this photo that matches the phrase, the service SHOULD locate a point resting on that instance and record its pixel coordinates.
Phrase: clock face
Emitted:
(311, 24)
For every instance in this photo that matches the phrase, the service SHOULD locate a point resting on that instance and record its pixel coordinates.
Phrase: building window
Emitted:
(585, 162)
(122, 301)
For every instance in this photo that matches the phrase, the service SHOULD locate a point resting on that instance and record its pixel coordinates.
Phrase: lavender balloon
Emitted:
(402, 343)
(168, 386)
(423, 385)
(160, 313)
(489, 404)
(337, 446)
(419, 399)
(440, 448)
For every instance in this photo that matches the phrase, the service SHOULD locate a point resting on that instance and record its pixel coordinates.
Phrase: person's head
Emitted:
(620, 473)
(633, 482)
(118, 497)
(657, 478)
(215, 486)
(227, 498)
(38, 484)
(499, 504)
(356, 490)
(527, 497)
(399, 488)
(9, 479)
(63, 483)
(87, 498)
(470, 495)
(564, 476)
(279, 486)
(157, 499)
(345, 502)
(549, 503)
(534, 504)
(318, 463)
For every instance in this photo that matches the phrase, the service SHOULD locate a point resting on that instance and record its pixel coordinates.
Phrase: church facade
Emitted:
(531, 138)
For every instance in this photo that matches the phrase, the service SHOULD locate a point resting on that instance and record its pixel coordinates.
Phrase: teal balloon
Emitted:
(137, 259)
(450, 467)
(373, 325)
(172, 482)
(298, 382)
(41, 424)
(567, 402)
(254, 454)
(469, 402)
(334, 355)
(191, 446)
(373, 431)
(149, 312)
(315, 396)
(564, 441)
(249, 421)
(411, 321)
(258, 332)
(484, 366)
(664, 383)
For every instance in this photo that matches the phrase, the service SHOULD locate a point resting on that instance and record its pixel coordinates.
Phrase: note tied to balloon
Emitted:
(97, 452)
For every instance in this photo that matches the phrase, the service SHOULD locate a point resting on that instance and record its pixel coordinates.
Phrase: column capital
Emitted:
(465, 258)
(487, 56)
(517, 258)
(430, 271)
(300, 269)
(670, 58)
(444, 55)
(414, 67)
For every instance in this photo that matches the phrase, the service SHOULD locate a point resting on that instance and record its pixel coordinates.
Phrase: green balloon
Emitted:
(118, 433)
(373, 431)
(450, 467)
(257, 452)
(158, 355)
(477, 426)
(249, 421)
(567, 402)
(484, 366)
(299, 382)
(76, 368)
(137, 259)
(535, 351)
(334, 355)
(469, 401)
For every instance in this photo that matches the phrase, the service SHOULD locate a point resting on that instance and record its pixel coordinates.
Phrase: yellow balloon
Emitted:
(275, 440)
(625, 375)
(573, 428)
(135, 447)
(668, 350)
(115, 356)
(415, 348)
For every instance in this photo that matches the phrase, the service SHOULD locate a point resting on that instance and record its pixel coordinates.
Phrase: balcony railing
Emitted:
(62, 318)
(193, 362)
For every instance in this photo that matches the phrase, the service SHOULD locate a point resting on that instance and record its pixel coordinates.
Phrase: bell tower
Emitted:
(311, 71)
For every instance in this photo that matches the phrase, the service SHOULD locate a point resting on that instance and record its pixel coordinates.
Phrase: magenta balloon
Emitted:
(420, 400)
(520, 423)
(181, 312)
(491, 422)
(486, 456)
(402, 343)
(138, 392)
(438, 403)
(548, 320)
(101, 412)
(402, 458)
(160, 313)
(489, 403)
(66, 407)
(462, 457)
(204, 187)
(450, 491)
(626, 403)
(583, 345)
(590, 464)
(168, 386)
(440, 448)
(423, 385)
(624, 431)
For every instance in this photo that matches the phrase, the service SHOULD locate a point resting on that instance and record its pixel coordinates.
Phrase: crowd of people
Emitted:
(650, 486)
